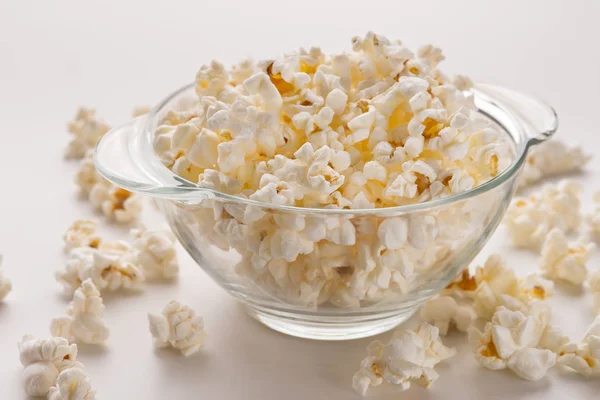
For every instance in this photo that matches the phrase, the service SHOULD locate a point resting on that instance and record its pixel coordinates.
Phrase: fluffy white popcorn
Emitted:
(155, 253)
(177, 326)
(110, 267)
(444, 311)
(511, 341)
(410, 356)
(43, 360)
(72, 384)
(552, 158)
(594, 286)
(82, 233)
(5, 284)
(114, 202)
(562, 260)
(85, 317)
(585, 357)
(87, 130)
(376, 127)
(529, 220)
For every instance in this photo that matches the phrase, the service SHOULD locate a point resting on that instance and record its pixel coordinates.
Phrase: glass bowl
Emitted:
(352, 278)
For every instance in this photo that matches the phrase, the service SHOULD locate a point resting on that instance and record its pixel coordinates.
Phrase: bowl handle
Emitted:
(539, 119)
(122, 157)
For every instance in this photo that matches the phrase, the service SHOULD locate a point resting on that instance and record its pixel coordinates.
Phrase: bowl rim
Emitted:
(187, 187)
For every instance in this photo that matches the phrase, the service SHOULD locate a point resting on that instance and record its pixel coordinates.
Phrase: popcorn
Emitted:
(444, 311)
(43, 361)
(511, 341)
(411, 355)
(376, 127)
(138, 111)
(593, 285)
(593, 219)
(585, 358)
(5, 285)
(114, 202)
(82, 233)
(564, 260)
(530, 220)
(108, 268)
(72, 384)
(85, 317)
(178, 327)
(552, 158)
(88, 130)
(155, 254)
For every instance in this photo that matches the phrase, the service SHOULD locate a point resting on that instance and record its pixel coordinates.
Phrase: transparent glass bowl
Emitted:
(354, 282)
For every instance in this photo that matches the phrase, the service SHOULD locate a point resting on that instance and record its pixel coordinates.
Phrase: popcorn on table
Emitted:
(177, 326)
(155, 253)
(551, 158)
(5, 284)
(110, 267)
(82, 233)
(529, 220)
(114, 202)
(72, 384)
(444, 311)
(85, 317)
(512, 340)
(43, 360)
(584, 358)
(138, 111)
(566, 261)
(87, 130)
(410, 356)
(379, 126)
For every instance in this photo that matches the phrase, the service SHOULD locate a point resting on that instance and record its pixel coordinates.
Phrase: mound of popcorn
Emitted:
(377, 127)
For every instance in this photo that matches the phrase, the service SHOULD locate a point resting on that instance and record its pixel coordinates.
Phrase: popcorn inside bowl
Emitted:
(374, 128)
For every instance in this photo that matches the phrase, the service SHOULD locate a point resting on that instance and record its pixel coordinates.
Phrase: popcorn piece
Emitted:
(85, 317)
(82, 233)
(534, 287)
(87, 130)
(564, 260)
(43, 361)
(178, 327)
(530, 220)
(552, 158)
(585, 358)
(411, 355)
(109, 269)
(594, 286)
(155, 254)
(138, 111)
(72, 384)
(114, 202)
(445, 311)
(5, 285)
(511, 341)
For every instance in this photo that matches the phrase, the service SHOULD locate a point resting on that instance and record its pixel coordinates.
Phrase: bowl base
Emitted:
(323, 328)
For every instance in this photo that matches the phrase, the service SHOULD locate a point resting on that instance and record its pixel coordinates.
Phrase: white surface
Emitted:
(56, 55)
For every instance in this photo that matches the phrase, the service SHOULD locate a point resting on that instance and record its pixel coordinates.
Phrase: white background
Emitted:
(57, 55)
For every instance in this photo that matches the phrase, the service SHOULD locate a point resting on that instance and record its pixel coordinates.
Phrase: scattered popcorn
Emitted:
(511, 340)
(5, 285)
(444, 311)
(562, 260)
(529, 220)
(82, 233)
(85, 317)
(140, 110)
(88, 130)
(110, 267)
(114, 202)
(179, 327)
(534, 287)
(411, 355)
(585, 358)
(551, 158)
(593, 285)
(155, 254)
(72, 384)
(43, 361)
